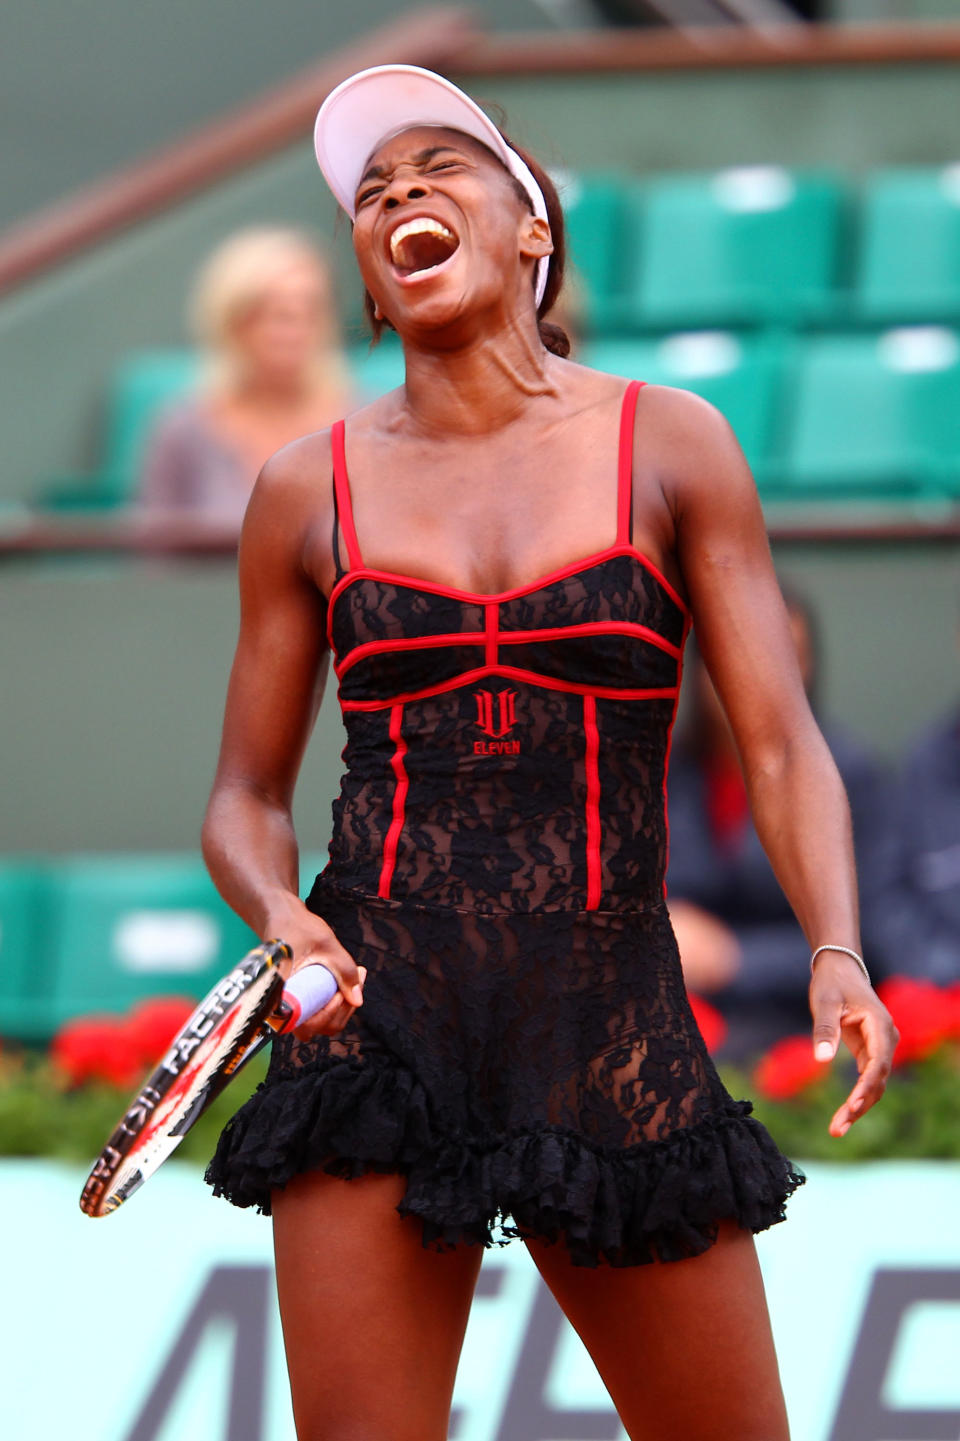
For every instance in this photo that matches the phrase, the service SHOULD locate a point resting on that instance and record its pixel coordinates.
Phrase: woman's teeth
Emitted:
(421, 244)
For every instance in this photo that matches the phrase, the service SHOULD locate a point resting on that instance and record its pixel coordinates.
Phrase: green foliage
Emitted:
(40, 1116)
(918, 1116)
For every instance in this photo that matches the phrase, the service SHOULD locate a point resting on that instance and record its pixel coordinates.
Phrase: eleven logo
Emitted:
(496, 717)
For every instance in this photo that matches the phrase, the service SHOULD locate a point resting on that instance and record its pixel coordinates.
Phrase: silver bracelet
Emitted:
(847, 952)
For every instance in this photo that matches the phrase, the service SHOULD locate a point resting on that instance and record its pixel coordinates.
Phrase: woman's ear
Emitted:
(377, 312)
(535, 238)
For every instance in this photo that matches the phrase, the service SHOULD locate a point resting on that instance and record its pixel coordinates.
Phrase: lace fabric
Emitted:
(530, 1074)
(525, 1055)
(495, 810)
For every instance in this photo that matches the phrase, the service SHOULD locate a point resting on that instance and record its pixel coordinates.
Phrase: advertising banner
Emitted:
(160, 1322)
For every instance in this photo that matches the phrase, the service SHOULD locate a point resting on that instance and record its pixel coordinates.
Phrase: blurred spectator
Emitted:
(739, 941)
(264, 316)
(918, 910)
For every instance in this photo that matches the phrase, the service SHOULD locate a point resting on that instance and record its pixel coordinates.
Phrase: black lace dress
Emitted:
(525, 1055)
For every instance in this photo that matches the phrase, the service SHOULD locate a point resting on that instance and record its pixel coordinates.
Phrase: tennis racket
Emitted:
(244, 1010)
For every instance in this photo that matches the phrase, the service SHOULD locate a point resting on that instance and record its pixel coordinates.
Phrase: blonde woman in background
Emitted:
(263, 314)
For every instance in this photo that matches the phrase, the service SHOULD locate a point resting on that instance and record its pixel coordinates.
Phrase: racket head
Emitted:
(207, 1052)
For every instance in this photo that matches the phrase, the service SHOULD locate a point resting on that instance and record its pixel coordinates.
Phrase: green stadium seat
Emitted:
(141, 386)
(875, 415)
(601, 215)
(909, 260)
(378, 368)
(24, 951)
(746, 246)
(740, 374)
(99, 933)
(141, 389)
(122, 928)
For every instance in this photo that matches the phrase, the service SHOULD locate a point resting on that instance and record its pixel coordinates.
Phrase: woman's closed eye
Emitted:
(372, 191)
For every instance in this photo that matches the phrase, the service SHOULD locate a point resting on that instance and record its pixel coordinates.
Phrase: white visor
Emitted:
(375, 104)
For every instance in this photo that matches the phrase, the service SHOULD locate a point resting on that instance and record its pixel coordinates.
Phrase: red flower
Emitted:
(924, 1015)
(710, 1023)
(788, 1069)
(97, 1048)
(118, 1049)
(152, 1025)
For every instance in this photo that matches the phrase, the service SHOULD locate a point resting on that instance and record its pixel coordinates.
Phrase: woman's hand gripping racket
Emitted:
(243, 1011)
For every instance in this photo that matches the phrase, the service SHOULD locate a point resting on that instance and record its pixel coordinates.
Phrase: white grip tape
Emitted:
(308, 991)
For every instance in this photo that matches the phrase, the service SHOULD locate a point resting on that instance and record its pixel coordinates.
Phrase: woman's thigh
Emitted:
(373, 1323)
(684, 1347)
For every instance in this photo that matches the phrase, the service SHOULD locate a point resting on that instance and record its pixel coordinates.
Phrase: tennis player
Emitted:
(503, 558)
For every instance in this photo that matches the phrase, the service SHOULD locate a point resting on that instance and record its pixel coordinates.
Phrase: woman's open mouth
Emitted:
(420, 246)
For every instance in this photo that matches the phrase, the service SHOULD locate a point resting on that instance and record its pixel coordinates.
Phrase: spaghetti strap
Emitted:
(625, 464)
(341, 490)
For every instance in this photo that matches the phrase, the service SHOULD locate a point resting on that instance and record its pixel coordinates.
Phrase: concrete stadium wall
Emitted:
(873, 11)
(115, 675)
(61, 337)
(848, 118)
(90, 87)
(93, 86)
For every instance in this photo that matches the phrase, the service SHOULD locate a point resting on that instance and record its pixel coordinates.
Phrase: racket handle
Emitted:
(306, 992)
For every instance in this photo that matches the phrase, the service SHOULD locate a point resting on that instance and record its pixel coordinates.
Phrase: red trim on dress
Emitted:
(341, 484)
(480, 597)
(383, 647)
(661, 579)
(545, 682)
(490, 637)
(591, 753)
(329, 625)
(666, 759)
(592, 627)
(628, 412)
(414, 582)
(491, 622)
(399, 801)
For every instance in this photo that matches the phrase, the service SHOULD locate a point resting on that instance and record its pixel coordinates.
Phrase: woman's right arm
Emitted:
(276, 685)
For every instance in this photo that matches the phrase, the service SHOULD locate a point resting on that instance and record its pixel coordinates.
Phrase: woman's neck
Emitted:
(477, 387)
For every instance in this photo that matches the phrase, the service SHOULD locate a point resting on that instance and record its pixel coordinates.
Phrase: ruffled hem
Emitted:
(658, 1200)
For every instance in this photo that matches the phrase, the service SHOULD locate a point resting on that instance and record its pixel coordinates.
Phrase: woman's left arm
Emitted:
(796, 795)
